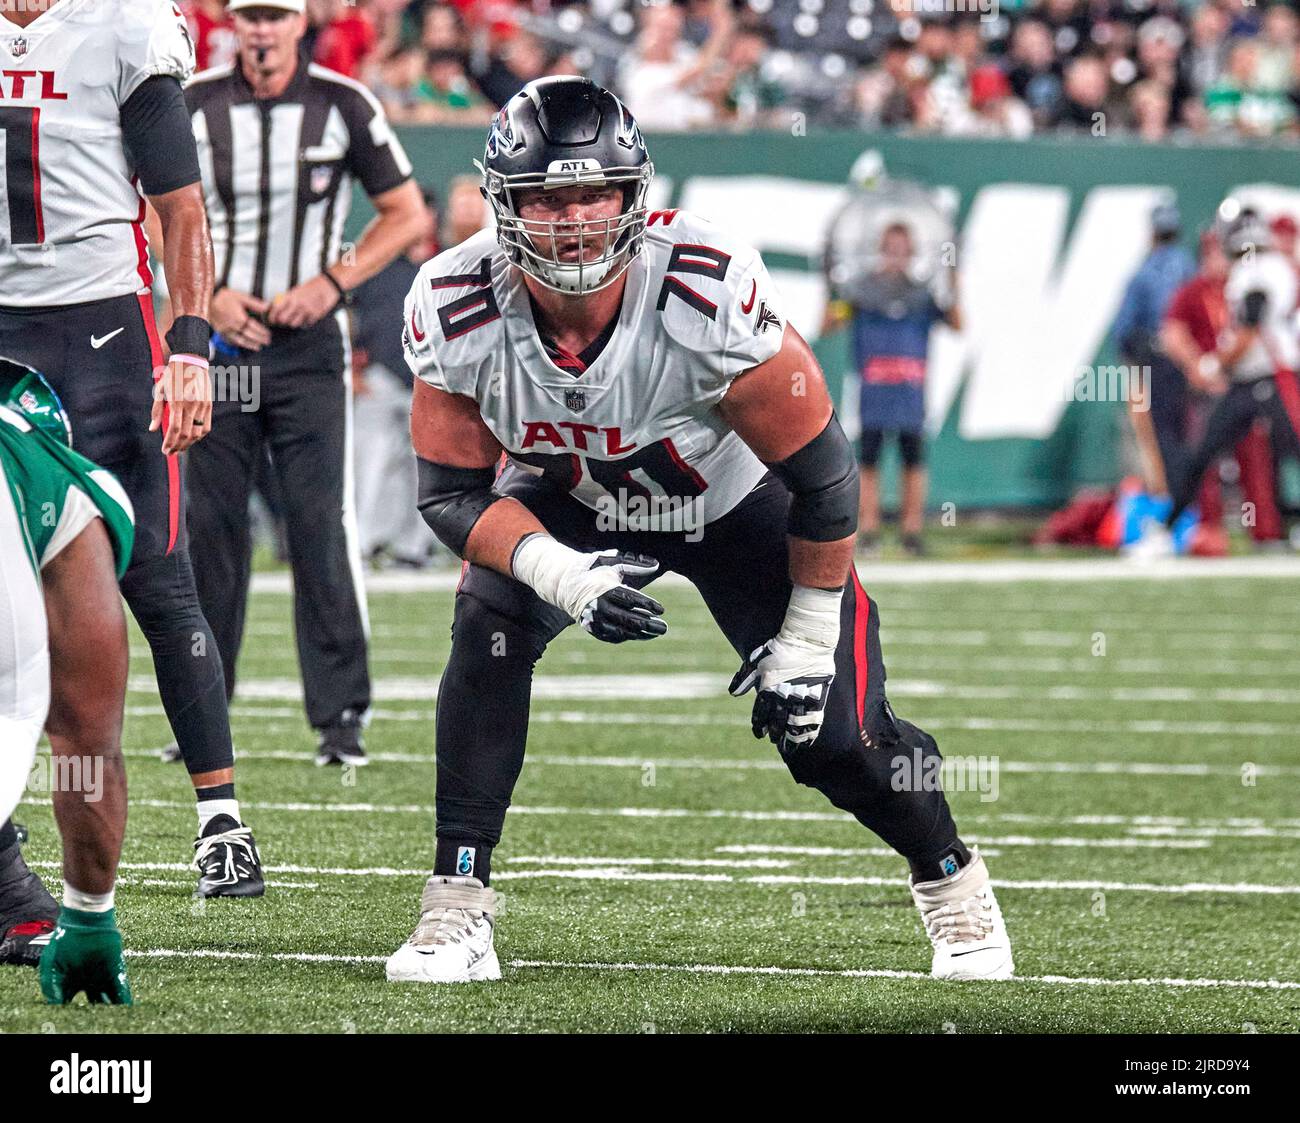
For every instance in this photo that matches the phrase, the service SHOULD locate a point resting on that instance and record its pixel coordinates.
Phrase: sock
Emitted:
(951, 859)
(87, 902)
(217, 800)
(459, 858)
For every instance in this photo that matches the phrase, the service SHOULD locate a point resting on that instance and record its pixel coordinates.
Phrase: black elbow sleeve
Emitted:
(823, 478)
(157, 136)
(451, 500)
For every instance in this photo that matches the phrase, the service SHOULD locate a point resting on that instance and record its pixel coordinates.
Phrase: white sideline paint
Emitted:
(913, 573)
(714, 969)
(984, 841)
(683, 687)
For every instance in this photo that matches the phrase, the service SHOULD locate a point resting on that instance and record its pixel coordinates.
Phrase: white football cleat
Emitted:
(453, 941)
(964, 924)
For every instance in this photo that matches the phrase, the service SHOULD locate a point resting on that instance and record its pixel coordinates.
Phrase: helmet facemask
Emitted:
(532, 244)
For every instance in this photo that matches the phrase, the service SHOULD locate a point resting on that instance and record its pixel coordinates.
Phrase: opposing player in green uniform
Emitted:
(65, 537)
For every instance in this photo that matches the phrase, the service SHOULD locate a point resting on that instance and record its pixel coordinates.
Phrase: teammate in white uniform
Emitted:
(657, 414)
(94, 124)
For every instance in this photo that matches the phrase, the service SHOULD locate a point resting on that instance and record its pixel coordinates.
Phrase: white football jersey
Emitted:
(637, 434)
(71, 216)
(1277, 344)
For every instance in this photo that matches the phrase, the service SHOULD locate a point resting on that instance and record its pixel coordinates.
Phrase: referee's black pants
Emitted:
(1276, 398)
(302, 415)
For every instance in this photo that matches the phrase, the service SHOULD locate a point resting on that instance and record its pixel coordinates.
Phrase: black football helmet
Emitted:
(554, 133)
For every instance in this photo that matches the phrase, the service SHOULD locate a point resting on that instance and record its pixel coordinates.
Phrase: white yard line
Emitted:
(914, 573)
(683, 687)
(718, 969)
(778, 816)
(246, 712)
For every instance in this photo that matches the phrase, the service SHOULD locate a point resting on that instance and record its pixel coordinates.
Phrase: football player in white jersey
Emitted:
(657, 413)
(94, 123)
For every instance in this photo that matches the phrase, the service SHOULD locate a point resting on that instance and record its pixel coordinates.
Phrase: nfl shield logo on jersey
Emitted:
(18, 47)
(575, 400)
(320, 179)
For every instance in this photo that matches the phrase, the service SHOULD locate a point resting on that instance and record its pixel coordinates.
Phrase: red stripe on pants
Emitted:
(861, 618)
(173, 465)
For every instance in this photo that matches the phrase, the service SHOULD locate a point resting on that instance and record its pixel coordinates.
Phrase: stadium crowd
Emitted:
(1152, 69)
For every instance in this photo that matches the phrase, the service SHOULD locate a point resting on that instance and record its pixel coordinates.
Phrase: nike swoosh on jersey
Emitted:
(98, 341)
(416, 332)
(749, 304)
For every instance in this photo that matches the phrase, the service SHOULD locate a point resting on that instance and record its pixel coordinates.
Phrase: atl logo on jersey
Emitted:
(18, 84)
(538, 433)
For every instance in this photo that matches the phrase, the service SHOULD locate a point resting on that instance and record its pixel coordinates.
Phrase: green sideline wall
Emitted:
(998, 472)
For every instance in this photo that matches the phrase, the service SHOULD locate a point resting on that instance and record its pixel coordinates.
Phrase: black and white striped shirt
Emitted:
(278, 172)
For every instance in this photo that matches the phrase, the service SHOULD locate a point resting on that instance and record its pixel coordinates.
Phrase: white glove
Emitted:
(794, 670)
(591, 588)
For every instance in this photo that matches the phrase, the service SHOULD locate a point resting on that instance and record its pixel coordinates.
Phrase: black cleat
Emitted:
(227, 860)
(914, 546)
(341, 744)
(27, 912)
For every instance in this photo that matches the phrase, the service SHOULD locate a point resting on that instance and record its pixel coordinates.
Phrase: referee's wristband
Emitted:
(344, 296)
(189, 335)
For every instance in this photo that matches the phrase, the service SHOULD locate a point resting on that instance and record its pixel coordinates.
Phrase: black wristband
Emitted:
(344, 295)
(189, 335)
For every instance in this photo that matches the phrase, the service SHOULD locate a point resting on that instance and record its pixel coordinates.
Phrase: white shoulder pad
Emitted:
(714, 295)
(453, 315)
(153, 38)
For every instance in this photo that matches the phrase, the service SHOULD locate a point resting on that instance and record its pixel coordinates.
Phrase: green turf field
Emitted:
(661, 872)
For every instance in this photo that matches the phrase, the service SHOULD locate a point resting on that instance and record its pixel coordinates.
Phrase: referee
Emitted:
(280, 142)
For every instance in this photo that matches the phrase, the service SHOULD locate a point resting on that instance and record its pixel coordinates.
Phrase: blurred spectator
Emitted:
(887, 93)
(442, 29)
(466, 212)
(1086, 102)
(750, 97)
(445, 95)
(521, 58)
(1150, 104)
(396, 83)
(346, 36)
(660, 77)
(1237, 101)
(1034, 73)
(212, 32)
(995, 110)
(1277, 49)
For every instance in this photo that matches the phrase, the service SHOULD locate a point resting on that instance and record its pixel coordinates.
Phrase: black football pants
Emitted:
(302, 408)
(100, 357)
(1275, 398)
(740, 567)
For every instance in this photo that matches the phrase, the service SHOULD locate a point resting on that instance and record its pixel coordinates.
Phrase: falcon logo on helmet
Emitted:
(559, 132)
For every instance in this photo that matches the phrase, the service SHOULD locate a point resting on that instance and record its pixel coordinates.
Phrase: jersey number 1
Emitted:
(22, 133)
